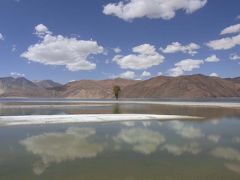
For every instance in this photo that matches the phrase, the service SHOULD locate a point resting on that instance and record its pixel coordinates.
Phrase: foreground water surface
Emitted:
(147, 150)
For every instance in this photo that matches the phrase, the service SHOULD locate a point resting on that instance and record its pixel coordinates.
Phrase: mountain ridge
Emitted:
(47, 83)
(188, 86)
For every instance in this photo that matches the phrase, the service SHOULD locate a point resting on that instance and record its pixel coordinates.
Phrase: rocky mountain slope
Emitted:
(47, 84)
(92, 88)
(236, 80)
(192, 86)
(21, 87)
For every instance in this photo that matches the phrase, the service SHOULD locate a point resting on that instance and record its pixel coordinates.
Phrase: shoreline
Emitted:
(104, 102)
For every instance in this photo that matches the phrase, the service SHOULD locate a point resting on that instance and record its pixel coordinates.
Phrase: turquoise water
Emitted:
(171, 150)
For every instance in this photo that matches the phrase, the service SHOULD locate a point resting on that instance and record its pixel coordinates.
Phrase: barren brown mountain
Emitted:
(47, 84)
(236, 80)
(21, 87)
(92, 89)
(193, 86)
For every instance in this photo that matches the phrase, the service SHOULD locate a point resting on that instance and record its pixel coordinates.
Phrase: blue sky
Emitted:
(68, 40)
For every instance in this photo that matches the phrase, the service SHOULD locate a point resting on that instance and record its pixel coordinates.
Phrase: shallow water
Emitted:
(206, 149)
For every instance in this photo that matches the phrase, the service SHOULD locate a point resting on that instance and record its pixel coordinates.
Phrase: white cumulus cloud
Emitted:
(178, 47)
(185, 65)
(1, 37)
(153, 9)
(41, 30)
(224, 43)
(14, 48)
(159, 73)
(117, 50)
(212, 58)
(214, 75)
(128, 75)
(231, 29)
(16, 74)
(144, 57)
(146, 74)
(59, 50)
(234, 57)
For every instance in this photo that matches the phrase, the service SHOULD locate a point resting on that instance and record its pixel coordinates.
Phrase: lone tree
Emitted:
(116, 91)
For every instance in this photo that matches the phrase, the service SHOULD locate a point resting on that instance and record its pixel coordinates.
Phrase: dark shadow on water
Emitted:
(116, 109)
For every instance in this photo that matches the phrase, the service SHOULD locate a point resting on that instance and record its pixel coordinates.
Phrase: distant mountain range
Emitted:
(47, 84)
(21, 87)
(191, 86)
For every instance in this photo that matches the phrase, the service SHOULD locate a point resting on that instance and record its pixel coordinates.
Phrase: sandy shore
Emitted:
(83, 118)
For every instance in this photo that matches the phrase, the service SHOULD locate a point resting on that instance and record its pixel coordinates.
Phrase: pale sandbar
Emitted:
(84, 118)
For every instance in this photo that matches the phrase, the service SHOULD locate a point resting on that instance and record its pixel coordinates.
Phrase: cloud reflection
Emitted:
(128, 123)
(214, 138)
(227, 153)
(186, 131)
(144, 141)
(146, 123)
(236, 140)
(59, 147)
(233, 167)
(177, 150)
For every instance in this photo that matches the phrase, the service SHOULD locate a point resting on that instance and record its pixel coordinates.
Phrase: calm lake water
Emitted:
(169, 150)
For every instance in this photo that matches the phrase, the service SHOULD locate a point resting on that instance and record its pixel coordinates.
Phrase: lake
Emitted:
(144, 150)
